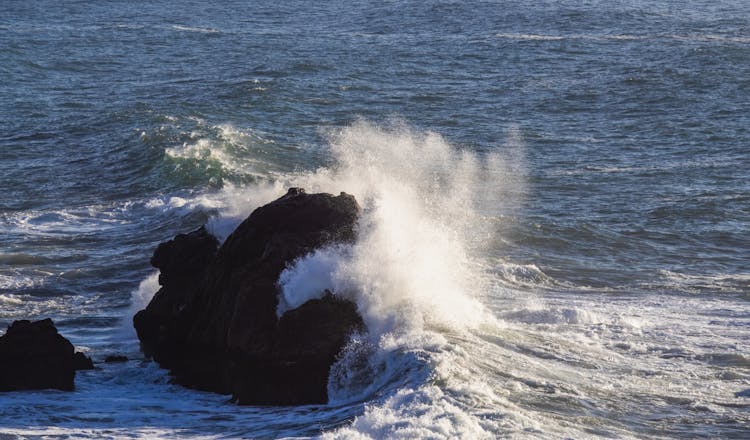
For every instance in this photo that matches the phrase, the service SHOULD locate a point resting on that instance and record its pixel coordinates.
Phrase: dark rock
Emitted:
(213, 322)
(33, 355)
(82, 362)
(111, 359)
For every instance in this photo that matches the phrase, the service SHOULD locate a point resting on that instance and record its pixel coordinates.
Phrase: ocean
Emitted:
(555, 237)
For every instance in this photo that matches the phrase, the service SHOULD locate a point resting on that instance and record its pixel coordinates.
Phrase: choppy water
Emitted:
(557, 206)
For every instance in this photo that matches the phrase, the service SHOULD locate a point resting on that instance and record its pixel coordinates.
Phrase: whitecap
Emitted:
(202, 30)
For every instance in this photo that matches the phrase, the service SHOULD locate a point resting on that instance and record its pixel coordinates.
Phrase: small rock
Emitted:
(33, 355)
(82, 362)
(115, 358)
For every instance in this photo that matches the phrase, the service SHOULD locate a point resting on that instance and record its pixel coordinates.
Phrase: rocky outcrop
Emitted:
(82, 362)
(33, 355)
(213, 322)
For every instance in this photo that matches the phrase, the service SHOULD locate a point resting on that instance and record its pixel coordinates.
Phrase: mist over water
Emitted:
(554, 231)
(420, 200)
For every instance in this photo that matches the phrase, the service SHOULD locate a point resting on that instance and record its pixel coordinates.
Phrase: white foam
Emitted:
(524, 275)
(411, 267)
(414, 413)
(66, 221)
(202, 30)
(550, 315)
(19, 281)
(308, 279)
(139, 299)
(10, 300)
(223, 148)
(236, 203)
(696, 282)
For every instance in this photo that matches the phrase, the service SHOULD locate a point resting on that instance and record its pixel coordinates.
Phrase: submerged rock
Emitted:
(82, 362)
(213, 322)
(33, 355)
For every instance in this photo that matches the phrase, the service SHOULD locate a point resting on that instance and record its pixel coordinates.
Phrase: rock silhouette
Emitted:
(213, 322)
(33, 355)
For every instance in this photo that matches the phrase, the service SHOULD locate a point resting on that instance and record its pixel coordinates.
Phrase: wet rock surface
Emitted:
(213, 322)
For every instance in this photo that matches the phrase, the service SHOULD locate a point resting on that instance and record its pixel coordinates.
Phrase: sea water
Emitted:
(554, 240)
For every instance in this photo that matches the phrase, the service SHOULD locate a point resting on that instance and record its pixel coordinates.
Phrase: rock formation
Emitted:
(213, 322)
(82, 362)
(33, 355)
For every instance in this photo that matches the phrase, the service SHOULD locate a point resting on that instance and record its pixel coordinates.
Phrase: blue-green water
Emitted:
(555, 240)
